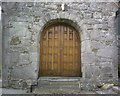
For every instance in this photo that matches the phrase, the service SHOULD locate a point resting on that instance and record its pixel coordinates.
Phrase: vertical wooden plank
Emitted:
(76, 51)
(60, 70)
(73, 54)
(65, 49)
(79, 49)
(68, 52)
(78, 55)
(54, 52)
(54, 67)
(44, 54)
(56, 49)
(62, 50)
(46, 51)
(58, 56)
(52, 48)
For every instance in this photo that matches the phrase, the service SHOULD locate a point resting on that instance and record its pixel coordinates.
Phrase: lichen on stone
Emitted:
(95, 50)
(15, 41)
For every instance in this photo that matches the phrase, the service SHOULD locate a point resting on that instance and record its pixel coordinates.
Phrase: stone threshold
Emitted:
(60, 78)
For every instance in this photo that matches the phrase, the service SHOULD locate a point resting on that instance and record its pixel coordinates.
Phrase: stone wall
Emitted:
(23, 24)
(118, 24)
(0, 42)
(0, 49)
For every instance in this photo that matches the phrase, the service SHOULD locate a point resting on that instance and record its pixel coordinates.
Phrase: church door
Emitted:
(60, 51)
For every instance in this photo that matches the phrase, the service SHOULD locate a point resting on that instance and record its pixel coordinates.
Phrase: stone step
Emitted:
(56, 88)
(52, 90)
(59, 79)
(59, 86)
(116, 89)
(58, 82)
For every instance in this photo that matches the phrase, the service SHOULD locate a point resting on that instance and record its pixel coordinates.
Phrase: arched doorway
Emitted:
(60, 51)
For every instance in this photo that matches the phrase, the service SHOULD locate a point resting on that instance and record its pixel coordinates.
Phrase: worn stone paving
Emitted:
(61, 91)
(12, 91)
(56, 91)
(44, 91)
(61, 87)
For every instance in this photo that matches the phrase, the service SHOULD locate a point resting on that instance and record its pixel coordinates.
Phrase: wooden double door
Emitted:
(60, 51)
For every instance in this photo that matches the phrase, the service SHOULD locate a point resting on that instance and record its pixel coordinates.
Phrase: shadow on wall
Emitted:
(0, 43)
(118, 16)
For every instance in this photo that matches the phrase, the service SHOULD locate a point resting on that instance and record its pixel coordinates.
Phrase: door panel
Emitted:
(60, 51)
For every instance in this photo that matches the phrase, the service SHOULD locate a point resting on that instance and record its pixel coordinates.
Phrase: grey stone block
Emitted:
(88, 58)
(116, 89)
(97, 15)
(107, 52)
(106, 69)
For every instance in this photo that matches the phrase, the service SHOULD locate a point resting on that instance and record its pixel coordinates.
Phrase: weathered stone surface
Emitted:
(106, 69)
(107, 86)
(0, 44)
(86, 46)
(116, 89)
(11, 91)
(107, 52)
(15, 41)
(97, 15)
(110, 91)
(88, 58)
(22, 26)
